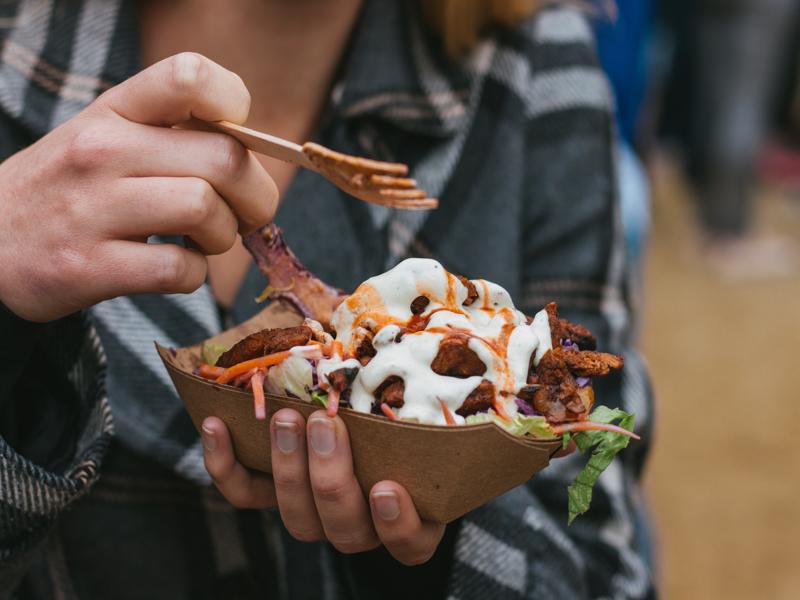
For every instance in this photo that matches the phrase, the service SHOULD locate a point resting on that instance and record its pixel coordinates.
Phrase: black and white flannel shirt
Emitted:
(517, 141)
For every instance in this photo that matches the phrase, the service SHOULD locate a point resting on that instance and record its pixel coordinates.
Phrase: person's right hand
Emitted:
(77, 207)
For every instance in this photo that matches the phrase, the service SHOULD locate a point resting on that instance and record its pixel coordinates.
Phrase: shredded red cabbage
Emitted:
(525, 407)
(568, 344)
(583, 381)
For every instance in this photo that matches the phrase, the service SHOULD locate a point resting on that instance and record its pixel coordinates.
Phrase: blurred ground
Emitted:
(722, 481)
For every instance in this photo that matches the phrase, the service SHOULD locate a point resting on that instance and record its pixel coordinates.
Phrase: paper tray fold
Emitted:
(447, 470)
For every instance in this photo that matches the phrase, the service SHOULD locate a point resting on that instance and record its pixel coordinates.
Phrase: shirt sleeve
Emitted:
(55, 425)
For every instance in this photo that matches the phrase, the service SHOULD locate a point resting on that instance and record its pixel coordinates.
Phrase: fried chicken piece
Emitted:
(418, 304)
(480, 399)
(472, 291)
(266, 341)
(390, 392)
(342, 379)
(552, 369)
(561, 329)
(556, 396)
(456, 359)
(588, 363)
(365, 350)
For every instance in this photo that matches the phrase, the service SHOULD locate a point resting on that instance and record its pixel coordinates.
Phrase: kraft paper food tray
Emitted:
(447, 470)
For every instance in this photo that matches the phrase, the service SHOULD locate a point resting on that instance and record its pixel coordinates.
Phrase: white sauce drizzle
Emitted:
(499, 334)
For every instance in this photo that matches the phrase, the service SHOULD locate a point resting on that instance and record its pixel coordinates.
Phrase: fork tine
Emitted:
(412, 204)
(404, 194)
(385, 181)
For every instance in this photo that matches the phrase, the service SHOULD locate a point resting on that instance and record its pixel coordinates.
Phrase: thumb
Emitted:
(177, 88)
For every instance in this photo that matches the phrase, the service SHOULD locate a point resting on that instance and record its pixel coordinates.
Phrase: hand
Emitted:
(78, 205)
(314, 487)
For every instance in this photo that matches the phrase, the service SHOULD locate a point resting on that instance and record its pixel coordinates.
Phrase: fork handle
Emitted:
(263, 143)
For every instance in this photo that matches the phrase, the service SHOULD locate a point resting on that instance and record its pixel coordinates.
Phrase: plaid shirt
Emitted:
(517, 142)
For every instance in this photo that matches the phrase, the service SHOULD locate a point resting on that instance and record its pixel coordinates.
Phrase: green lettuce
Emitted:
(520, 425)
(604, 445)
(320, 398)
(211, 352)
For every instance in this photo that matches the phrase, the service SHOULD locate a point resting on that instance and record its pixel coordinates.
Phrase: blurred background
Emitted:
(708, 95)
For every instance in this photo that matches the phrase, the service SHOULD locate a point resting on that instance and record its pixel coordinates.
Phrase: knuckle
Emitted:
(330, 489)
(289, 479)
(88, 149)
(189, 70)
(226, 238)
(416, 558)
(200, 203)
(239, 499)
(266, 210)
(246, 98)
(355, 543)
(302, 534)
(230, 156)
(171, 270)
(68, 265)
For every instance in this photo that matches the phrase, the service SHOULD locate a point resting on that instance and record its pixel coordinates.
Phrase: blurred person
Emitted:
(780, 162)
(501, 111)
(732, 56)
(622, 38)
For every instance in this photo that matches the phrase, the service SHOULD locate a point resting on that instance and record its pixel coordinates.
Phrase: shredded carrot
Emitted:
(244, 379)
(448, 416)
(333, 402)
(268, 361)
(255, 363)
(210, 371)
(591, 426)
(388, 411)
(337, 349)
(501, 412)
(258, 394)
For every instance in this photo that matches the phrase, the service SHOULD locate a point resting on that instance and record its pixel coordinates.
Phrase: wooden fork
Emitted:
(369, 180)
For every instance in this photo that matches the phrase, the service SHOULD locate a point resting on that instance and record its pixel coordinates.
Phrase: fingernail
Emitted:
(323, 435)
(286, 436)
(209, 441)
(386, 505)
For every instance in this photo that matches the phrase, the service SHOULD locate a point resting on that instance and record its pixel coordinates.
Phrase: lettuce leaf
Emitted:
(320, 398)
(605, 445)
(520, 425)
(292, 376)
(211, 352)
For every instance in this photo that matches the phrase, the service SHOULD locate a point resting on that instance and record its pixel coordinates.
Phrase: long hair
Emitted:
(461, 23)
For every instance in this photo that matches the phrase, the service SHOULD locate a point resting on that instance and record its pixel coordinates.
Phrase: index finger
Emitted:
(180, 87)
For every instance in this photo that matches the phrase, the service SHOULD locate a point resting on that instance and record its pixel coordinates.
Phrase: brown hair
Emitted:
(461, 22)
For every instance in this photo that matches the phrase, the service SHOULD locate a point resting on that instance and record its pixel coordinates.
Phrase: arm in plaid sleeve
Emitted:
(54, 428)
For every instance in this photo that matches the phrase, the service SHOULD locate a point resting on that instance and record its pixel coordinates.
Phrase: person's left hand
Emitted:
(314, 487)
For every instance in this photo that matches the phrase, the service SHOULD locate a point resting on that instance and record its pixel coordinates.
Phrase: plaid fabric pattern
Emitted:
(517, 142)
